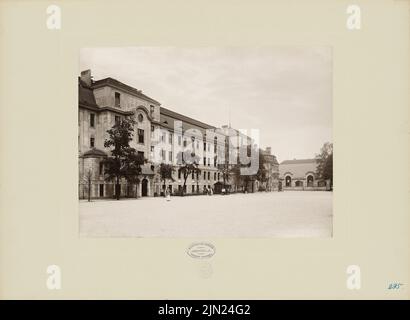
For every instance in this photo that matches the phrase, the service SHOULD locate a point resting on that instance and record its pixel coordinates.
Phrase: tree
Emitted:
(133, 168)
(188, 164)
(165, 172)
(263, 174)
(324, 168)
(123, 161)
(235, 172)
(226, 171)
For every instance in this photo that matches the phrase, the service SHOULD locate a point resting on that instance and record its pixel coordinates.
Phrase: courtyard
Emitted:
(256, 215)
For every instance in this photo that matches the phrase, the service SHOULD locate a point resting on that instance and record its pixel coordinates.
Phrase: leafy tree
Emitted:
(188, 164)
(226, 172)
(235, 174)
(165, 172)
(324, 168)
(123, 162)
(263, 174)
(133, 168)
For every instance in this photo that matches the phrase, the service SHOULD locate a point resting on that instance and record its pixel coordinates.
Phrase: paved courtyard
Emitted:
(274, 214)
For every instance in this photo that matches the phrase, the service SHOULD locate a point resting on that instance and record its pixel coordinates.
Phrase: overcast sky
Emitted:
(285, 92)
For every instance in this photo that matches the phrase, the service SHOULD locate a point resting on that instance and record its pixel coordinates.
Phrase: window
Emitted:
(209, 175)
(140, 117)
(179, 140)
(117, 100)
(214, 175)
(92, 140)
(179, 174)
(117, 119)
(209, 162)
(219, 175)
(204, 146)
(101, 190)
(204, 175)
(204, 161)
(170, 136)
(184, 142)
(193, 189)
(140, 136)
(170, 156)
(214, 161)
(152, 128)
(92, 120)
(141, 154)
(151, 109)
(193, 175)
(163, 137)
(163, 155)
(197, 175)
(101, 169)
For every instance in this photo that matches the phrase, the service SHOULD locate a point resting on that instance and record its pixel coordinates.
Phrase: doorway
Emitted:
(144, 188)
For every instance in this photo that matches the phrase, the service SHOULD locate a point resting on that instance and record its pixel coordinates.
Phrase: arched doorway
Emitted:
(288, 181)
(144, 188)
(309, 181)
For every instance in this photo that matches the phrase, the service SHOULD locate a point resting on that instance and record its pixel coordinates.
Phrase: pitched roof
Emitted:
(119, 85)
(86, 95)
(295, 161)
(94, 152)
(298, 169)
(168, 117)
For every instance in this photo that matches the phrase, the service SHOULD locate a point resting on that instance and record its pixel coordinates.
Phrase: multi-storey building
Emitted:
(159, 134)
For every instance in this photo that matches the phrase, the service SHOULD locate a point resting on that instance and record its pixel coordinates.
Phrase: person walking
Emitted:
(168, 194)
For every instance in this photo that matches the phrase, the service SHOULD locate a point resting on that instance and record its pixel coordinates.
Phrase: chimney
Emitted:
(86, 77)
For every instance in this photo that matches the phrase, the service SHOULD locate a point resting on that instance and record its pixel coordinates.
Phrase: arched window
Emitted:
(140, 117)
(288, 181)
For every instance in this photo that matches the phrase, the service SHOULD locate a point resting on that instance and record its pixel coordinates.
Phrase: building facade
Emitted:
(271, 166)
(159, 134)
(300, 174)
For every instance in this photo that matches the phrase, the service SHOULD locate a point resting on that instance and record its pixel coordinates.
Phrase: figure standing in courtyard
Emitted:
(168, 194)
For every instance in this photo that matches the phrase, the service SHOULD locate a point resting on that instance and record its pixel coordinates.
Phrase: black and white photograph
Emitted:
(205, 142)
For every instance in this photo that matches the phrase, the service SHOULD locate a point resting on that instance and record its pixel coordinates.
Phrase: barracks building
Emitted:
(104, 102)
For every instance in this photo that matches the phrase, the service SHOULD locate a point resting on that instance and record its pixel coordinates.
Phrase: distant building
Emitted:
(300, 174)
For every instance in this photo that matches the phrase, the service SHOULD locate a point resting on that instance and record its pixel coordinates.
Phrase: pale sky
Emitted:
(285, 92)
